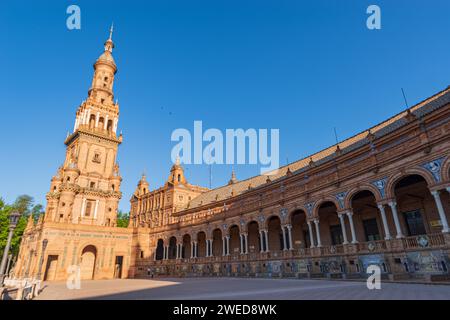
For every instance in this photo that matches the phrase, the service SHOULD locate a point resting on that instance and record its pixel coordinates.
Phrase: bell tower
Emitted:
(86, 188)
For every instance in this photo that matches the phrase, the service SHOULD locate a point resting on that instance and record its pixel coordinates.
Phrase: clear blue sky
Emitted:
(303, 67)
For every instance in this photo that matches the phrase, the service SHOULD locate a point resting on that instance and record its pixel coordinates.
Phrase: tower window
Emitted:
(96, 158)
(68, 179)
(113, 188)
(179, 178)
(92, 185)
(89, 206)
(103, 100)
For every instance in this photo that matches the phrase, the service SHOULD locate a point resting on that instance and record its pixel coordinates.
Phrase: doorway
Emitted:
(118, 267)
(50, 269)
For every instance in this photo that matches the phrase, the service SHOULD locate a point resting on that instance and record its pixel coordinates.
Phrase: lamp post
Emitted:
(41, 260)
(13, 220)
(9, 263)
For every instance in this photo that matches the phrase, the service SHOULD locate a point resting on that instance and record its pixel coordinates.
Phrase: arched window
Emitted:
(109, 127)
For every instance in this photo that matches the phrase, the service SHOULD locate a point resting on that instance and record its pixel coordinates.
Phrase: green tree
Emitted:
(23, 205)
(122, 219)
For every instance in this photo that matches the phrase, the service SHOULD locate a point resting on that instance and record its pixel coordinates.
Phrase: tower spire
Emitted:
(109, 44)
(111, 30)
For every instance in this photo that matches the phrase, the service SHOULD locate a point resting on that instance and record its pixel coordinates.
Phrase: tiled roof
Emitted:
(222, 193)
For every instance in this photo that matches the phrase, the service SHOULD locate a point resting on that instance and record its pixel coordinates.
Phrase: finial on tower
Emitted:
(109, 44)
(111, 30)
(233, 177)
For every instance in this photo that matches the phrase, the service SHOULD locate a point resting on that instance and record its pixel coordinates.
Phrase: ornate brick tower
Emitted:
(86, 188)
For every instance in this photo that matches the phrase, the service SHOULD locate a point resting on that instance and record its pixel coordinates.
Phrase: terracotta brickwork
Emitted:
(380, 197)
(79, 226)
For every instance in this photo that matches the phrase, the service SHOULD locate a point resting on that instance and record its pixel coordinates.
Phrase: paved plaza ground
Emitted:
(241, 289)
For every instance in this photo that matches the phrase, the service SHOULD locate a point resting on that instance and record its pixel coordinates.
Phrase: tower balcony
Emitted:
(108, 134)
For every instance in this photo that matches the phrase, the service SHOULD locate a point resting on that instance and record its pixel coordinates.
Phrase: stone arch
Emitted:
(253, 236)
(186, 246)
(300, 232)
(247, 223)
(173, 241)
(269, 217)
(235, 240)
(365, 187)
(88, 262)
(445, 174)
(317, 205)
(392, 181)
(330, 228)
(367, 222)
(159, 255)
(275, 235)
(201, 244)
(217, 242)
(295, 209)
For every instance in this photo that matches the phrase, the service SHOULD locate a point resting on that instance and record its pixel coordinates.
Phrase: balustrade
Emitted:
(438, 240)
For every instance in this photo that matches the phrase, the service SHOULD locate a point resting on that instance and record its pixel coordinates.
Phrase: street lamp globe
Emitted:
(14, 219)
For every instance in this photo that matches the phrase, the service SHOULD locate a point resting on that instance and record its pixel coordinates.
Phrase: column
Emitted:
(75, 126)
(97, 118)
(88, 116)
(83, 117)
(441, 211)
(177, 256)
(311, 236)
(115, 125)
(228, 245)
(344, 232)
(283, 229)
(319, 242)
(192, 249)
(245, 243)
(261, 240)
(154, 253)
(266, 237)
(352, 226)
(224, 246)
(96, 208)
(106, 122)
(398, 228)
(385, 223)
(208, 248)
(290, 244)
(83, 207)
(241, 238)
